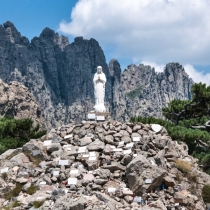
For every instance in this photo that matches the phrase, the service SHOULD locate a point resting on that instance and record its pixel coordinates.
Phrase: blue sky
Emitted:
(135, 31)
(31, 16)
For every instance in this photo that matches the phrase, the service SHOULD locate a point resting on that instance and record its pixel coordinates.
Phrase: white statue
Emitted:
(99, 81)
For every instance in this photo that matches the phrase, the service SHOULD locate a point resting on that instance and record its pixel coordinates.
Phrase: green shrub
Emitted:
(32, 189)
(135, 93)
(10, 207)
(16, 204)
(178, 110)
(15, 133)
(37, 204)
(15, 192)
(175, 105)
(206, 193)
(4, 176)
(206, 160)
(208, 171)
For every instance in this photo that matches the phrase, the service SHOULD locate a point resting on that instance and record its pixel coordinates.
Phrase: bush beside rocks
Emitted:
(183, 166)
(206, 193)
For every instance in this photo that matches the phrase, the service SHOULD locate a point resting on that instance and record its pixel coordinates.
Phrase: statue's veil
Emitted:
(99, 67)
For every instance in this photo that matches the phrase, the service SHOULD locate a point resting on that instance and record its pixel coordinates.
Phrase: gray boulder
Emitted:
(53, 147)
(114, 167)
(96, 145)
(126, 160)
(103, 173)
(69, 203)
(111, 203)
(85, 141)
(109, 139)
(35, 145)
(158, 205)
(160, 158)
(100, 181)
(143, 176)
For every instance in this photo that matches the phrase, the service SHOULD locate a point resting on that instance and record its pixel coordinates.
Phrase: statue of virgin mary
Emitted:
(99, 81)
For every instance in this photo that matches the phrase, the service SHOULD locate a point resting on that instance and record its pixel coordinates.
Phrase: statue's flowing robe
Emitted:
(99, 81)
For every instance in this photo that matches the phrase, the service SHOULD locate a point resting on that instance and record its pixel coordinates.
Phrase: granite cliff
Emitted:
(59, 74)
(139, 90)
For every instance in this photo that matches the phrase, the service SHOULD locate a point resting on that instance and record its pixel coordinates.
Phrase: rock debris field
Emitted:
(102, 165)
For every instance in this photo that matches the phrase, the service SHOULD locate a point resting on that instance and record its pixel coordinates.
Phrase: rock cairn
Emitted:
(103, 165)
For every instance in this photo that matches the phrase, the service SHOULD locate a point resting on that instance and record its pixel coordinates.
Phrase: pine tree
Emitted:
(196, 108)
(15, 133)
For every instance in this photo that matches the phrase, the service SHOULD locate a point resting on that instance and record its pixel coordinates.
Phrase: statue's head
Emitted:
(99, 69)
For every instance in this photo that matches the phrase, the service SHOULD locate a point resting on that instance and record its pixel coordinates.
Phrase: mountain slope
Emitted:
(60, 76)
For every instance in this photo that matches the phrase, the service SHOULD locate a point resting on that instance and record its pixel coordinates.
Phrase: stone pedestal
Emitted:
(105, 114)
(99, 116)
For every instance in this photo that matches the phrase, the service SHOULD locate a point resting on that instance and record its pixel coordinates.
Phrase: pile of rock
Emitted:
(103, 165)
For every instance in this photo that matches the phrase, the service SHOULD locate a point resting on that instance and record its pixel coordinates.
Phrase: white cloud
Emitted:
(196, 75)
(158, 67)
(159, 30)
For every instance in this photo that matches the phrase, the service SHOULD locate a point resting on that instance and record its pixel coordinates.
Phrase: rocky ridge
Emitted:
(142, 91)
(60, 74)
(17, 101)
(103, 165)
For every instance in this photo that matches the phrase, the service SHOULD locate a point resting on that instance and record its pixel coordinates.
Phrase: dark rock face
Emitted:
(60, 76)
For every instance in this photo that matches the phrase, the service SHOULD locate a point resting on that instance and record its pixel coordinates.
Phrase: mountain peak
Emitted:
(8, 24)
(13, 35)
(51, 36)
